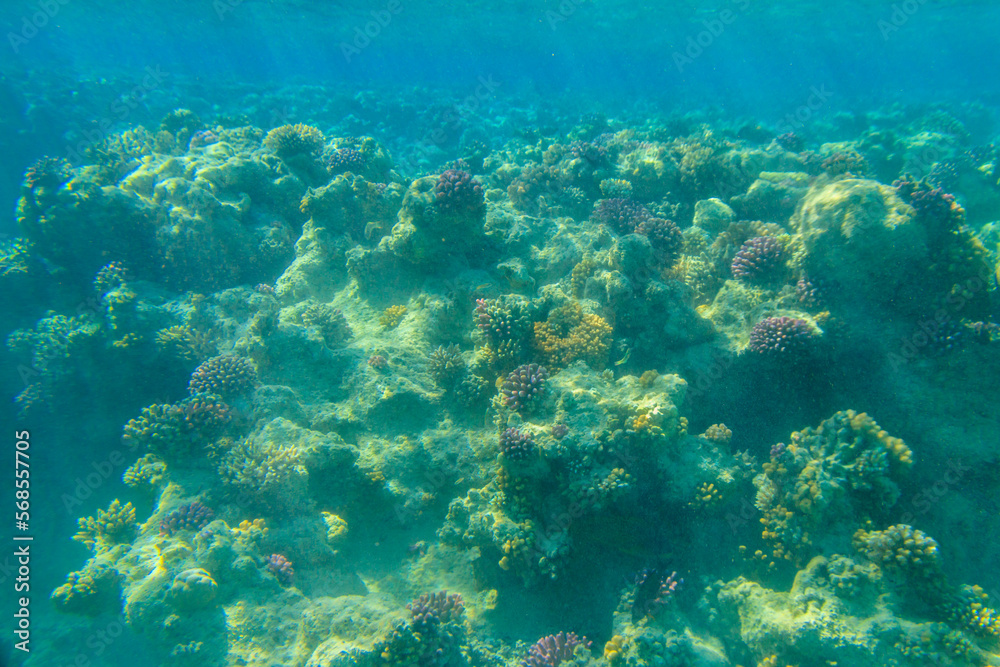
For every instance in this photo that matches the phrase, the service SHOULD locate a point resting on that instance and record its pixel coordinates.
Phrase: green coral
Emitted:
(330, 322)
(91, 591)
(116, 525)
(14, 257)
(178, 431)
(147, 472)
(294, 141)
(47, 355)
(270, 476)
(447, 366)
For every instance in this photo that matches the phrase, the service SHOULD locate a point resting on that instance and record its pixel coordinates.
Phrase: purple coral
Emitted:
(431, 609)
(201, 416)
(781, 335)
(340, 160)
(457, 193)
(944, 335)
(664, 235)
(653, 590)
(281, 568)
(560, 431)
(933, 205)
(811, 291)
(523, 384)
(791, 142)
(516, 445)
(554, 649)
(621, 214)
(224, 375)
(758, 259)
(594, 154)
(203, 138)
(191, 516)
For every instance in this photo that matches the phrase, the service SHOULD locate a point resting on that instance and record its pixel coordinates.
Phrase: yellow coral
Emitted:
(255, 528)
(718, 433)
(336, 527)
(392, 316)
(570, 334)
(117, 525)
(580, 273)
(613, 649)
(708, 496)
(293, 140)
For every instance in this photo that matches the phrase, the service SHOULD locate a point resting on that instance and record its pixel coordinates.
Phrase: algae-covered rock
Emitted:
(192, 589)
(94, 590)
(808, 620)
(862, 236)
(318, 265)
(773, 196)
(713, 215)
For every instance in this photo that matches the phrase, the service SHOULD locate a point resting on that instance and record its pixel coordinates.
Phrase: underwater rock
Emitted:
(861, 235)
(192, 589)
(713, 215)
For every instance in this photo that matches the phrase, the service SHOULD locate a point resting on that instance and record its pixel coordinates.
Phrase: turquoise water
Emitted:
(504, 333)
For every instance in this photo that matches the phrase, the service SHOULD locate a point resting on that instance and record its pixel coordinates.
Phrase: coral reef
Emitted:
(583, 297)
(824, 476)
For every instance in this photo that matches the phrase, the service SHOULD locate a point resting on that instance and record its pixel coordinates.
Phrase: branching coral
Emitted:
(116, 525)
(570, 334)
(902, 548)
(224, 375)
(845, 466)
(94, 590)
(392, 316)
(290, 141)
(189, 516)
(269, 476)
(553, 650)
(177, 432)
